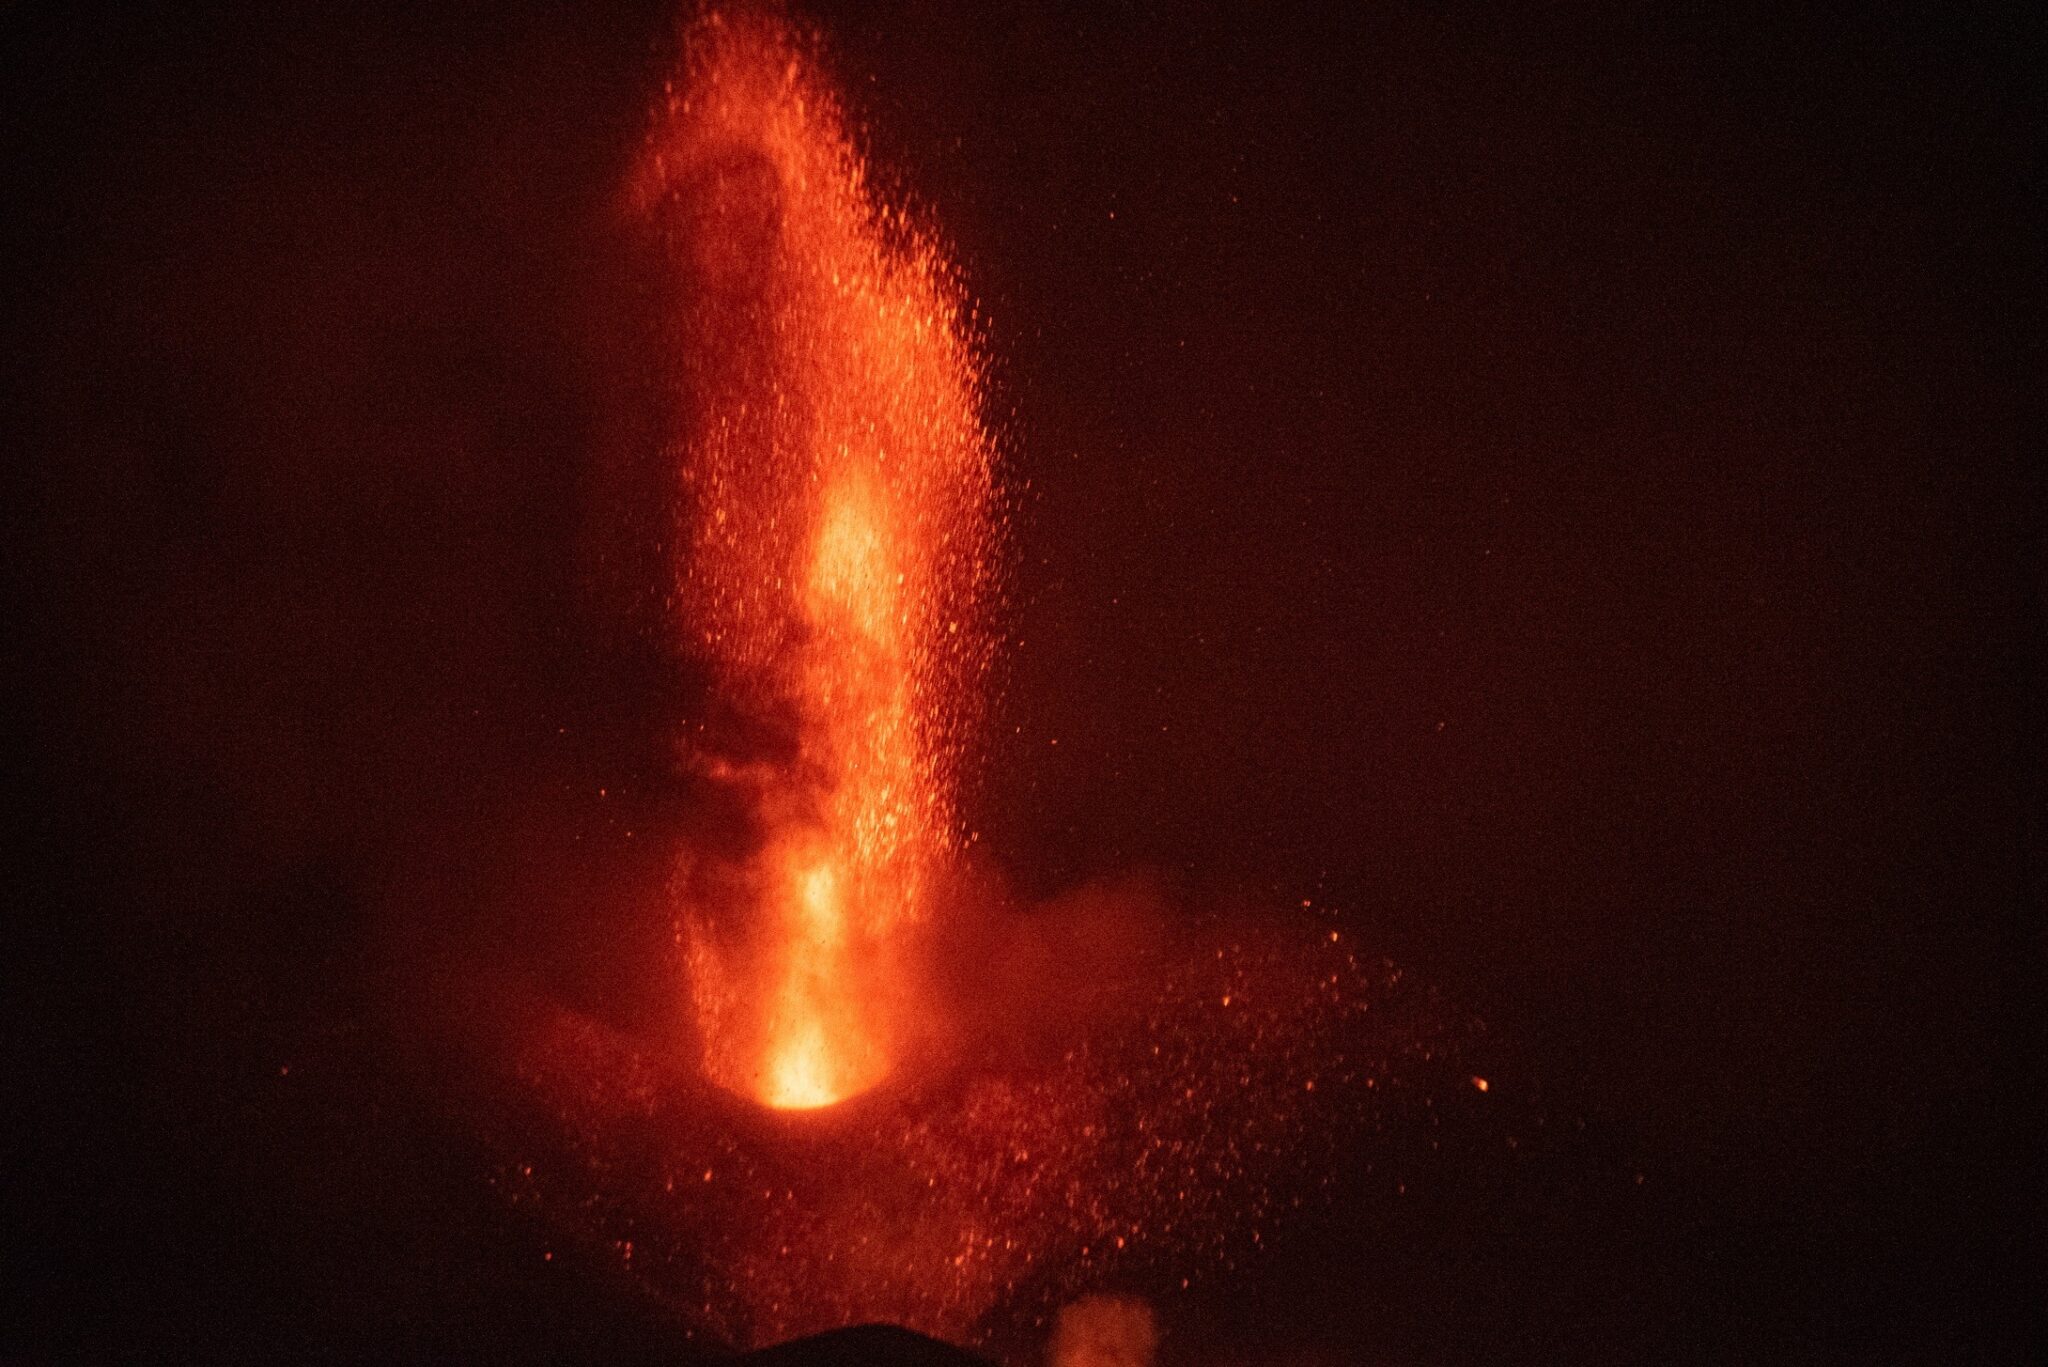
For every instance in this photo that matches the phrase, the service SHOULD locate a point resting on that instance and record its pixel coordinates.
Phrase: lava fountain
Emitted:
(1137, 1086)
(835, 554)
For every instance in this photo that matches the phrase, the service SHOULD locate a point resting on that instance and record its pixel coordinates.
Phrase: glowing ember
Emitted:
(839, 484)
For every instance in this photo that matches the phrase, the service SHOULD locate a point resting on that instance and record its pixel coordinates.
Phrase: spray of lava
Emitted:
(1135, 1091)
(836, 538)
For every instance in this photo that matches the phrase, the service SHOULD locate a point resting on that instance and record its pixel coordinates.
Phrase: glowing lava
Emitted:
(1137, 1091)
(835, 550)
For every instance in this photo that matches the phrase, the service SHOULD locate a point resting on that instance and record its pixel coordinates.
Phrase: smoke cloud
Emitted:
(1104, 1331)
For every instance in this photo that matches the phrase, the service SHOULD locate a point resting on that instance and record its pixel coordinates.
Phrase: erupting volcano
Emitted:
(1010, 1105)
(836, 536)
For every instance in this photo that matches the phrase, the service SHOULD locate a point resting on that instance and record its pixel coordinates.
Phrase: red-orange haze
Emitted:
(835, 549)
(1137, 1085)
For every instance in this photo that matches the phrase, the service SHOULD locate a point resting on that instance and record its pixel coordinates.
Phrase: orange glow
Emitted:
(1136, 1090)
(834, 552)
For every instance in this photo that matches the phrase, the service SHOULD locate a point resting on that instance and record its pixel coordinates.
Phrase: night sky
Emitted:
(1549, 485)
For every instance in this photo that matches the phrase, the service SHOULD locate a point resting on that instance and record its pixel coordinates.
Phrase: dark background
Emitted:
(1551, 485)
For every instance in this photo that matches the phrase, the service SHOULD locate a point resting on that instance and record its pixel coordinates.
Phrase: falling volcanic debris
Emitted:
(1000, 1107)
(837, 534)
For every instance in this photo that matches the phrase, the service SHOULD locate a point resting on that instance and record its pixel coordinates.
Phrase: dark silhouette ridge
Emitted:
(865, 1345)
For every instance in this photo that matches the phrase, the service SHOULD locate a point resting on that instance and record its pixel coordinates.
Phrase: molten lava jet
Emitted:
(836, 546)
(1005, 1107)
